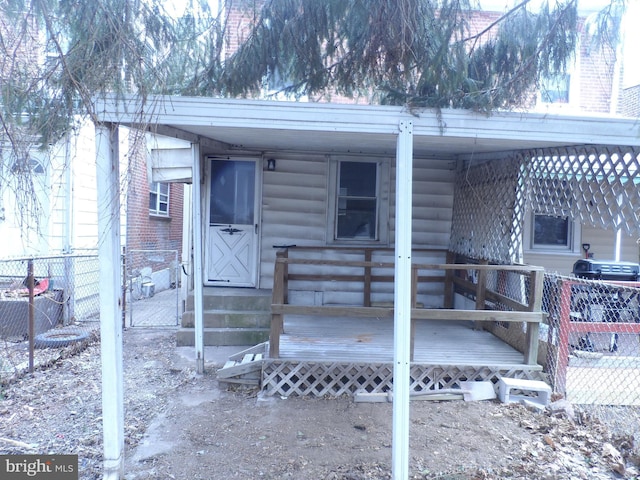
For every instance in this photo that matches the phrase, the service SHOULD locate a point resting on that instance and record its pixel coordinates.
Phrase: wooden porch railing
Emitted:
(529, 312)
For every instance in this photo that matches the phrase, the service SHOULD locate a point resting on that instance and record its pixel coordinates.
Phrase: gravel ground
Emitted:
(179, 425)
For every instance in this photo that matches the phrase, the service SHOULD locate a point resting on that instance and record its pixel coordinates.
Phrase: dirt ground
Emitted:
(180, 425)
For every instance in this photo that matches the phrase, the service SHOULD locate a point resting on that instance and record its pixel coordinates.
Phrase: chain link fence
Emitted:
(589, 342)
(49, 307)
(152, 279)
(592, 340)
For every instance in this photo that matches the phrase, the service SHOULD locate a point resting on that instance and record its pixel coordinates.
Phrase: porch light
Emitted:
(271, 164)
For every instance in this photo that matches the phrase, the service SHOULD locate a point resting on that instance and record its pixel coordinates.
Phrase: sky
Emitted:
(632, 42)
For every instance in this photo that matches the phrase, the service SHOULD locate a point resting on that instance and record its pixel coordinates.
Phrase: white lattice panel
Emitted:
(487, 210)
(287, 378)
(599, 186)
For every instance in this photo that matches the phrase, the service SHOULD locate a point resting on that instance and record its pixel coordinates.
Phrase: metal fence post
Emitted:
(564, 326)
(32, 327)
(69, 299)
(124, 287)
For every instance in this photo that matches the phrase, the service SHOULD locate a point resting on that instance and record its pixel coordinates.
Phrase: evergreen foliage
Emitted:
(416, 52)
(60, 54)
(56, 56)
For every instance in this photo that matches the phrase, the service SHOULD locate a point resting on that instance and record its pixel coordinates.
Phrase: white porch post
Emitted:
(197, 258)
(108, 193)
(402, 303)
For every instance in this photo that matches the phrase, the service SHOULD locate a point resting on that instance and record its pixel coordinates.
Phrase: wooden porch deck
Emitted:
(329, 348)
(341, 356)
(370, 340)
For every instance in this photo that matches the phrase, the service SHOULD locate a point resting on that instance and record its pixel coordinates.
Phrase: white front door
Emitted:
(231, 254)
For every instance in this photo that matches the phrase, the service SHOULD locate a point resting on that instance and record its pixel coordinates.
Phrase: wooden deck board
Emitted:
(371, 341)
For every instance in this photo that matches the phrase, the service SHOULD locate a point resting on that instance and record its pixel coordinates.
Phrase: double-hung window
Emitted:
(159, 199)
(356, 203)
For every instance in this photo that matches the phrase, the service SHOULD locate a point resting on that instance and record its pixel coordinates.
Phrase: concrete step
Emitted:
(229, 319)
(223, 336)
(232, 299)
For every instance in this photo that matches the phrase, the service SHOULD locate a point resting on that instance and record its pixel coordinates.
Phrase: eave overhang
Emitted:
(255, 125)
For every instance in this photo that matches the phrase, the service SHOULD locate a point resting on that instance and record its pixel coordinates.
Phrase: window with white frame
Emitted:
(556, 89)
(159, 199)
(552, 232)
(561, 91)
(355, 206)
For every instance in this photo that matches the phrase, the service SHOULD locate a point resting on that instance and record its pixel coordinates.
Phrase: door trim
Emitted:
(255, 282)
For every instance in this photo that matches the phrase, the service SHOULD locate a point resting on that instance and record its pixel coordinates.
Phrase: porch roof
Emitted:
(269, 126)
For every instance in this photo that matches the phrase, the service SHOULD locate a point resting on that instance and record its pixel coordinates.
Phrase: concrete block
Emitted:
(516, 390)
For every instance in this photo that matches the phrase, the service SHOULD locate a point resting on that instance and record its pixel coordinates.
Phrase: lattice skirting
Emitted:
(318, 379)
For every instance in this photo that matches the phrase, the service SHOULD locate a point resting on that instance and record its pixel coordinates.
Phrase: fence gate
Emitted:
(151, 288)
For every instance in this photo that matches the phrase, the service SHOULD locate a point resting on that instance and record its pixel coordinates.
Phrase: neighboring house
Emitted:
(630, 102)
(561, 244)
(50, 213)
(48, 203)
(154, 211)
(63, 218)
(24, 213)
(59, 215)
(599, 82)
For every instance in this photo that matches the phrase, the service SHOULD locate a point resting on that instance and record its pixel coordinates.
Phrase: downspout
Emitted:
(618, 244)
(68, 198)
(617, 78)
(67, 247)
(613, 110)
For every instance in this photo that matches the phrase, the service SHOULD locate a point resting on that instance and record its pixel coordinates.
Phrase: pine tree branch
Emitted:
(489, 27)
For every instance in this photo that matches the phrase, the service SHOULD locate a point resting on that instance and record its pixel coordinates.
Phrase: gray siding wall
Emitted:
(294, 207)
(433, 184)
(602, 246)
(294, 212)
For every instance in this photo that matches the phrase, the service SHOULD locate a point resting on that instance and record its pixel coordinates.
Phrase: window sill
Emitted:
(542, 251)
(155, 216)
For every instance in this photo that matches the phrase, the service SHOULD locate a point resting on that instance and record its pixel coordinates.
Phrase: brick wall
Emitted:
(145, 231)
(596, 72)
(594, 68)
(630, 102)
(239, 18)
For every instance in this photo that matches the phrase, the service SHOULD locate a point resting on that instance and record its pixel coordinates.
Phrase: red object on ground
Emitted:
(41, 287)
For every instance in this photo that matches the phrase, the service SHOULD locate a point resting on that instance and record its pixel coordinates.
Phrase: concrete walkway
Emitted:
(160, 310)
